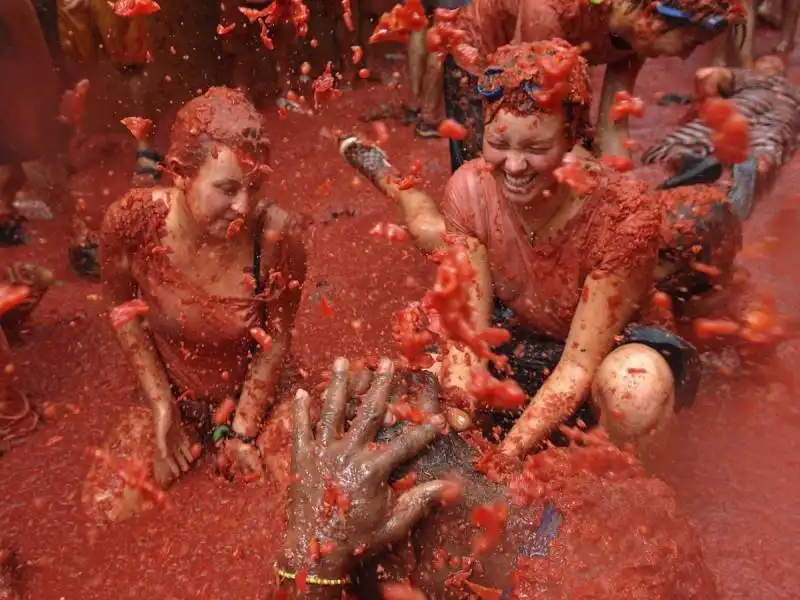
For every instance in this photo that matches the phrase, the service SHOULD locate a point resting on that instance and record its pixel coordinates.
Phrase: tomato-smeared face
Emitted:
(222, 191)
(524, 151)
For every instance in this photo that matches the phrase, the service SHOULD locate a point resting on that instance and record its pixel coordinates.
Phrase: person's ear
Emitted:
(179, 175)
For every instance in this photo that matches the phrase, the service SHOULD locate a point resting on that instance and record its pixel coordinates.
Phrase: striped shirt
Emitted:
(771, 105)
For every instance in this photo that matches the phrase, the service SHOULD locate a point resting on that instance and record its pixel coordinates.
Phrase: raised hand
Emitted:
(341, 505)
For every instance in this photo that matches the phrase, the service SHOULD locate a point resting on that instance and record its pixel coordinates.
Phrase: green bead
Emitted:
(220, 432)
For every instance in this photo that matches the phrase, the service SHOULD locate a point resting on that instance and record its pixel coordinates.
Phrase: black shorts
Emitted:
(532, 357)
(461, 103)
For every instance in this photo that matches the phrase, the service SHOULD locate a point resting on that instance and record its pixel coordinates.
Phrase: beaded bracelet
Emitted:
(312, 579)
(224, 432)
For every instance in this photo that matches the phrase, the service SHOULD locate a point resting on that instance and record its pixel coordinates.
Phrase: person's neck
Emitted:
(539, 214)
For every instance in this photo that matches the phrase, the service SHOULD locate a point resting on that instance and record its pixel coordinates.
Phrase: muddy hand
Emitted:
(240, 460)
(340, 499)
(173, 448)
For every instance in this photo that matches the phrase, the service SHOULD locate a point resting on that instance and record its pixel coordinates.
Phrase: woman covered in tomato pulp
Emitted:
(205, 283)
(620, 34)
(567, 252)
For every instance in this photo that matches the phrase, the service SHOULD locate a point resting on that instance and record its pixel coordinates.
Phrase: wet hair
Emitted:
(222, 117)
(732, 9)
(539, 77)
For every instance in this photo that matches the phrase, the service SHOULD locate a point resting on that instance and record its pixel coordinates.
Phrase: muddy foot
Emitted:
(784, 47)
(766, 14)
(12, 232)
(426, 130)
(390, 111)
(8, 576)
(84, 262)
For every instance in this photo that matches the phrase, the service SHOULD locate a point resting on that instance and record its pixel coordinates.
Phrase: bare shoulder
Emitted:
(137, 216)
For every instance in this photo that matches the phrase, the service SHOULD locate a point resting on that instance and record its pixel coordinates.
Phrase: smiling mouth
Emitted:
(518, 184)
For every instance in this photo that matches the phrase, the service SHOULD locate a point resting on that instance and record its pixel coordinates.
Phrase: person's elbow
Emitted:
(428, 232)
(575, 376)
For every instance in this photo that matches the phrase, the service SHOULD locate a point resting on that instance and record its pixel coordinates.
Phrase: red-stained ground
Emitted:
(731, 458)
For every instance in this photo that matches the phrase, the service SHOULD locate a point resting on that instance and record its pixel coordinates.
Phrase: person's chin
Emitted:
(219, 231)
(517, 195)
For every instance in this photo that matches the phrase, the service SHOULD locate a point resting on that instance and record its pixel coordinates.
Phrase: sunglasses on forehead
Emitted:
(490, 90)
(677, 18)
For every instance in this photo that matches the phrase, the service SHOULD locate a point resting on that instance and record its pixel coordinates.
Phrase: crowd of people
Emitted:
(567, 272)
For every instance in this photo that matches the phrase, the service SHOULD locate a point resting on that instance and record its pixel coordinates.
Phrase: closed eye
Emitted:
(229, 187)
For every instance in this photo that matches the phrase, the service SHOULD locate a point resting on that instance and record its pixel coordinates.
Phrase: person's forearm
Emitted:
(258, 393)
(618, 77)
(457, 368)
(419, 213)
(142, 356)
(557, 399)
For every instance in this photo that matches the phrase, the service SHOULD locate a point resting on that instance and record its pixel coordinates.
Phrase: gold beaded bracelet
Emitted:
(312, 579)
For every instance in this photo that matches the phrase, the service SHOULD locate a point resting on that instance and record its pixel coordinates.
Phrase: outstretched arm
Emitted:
(608, 303)
(417, 210)
(137, 345)
(286, 260)
(340, 500)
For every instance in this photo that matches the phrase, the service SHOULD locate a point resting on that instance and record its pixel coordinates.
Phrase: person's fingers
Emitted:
(301, 441)
(186, 450)
(373, 406)
(408, 510)
(408, 444)
(426, 385)
(182, 462)
(173, 466)
(458, 419)
(252, 460)
(331, 422)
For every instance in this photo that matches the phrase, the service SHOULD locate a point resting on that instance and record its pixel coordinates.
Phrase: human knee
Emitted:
(635, 392)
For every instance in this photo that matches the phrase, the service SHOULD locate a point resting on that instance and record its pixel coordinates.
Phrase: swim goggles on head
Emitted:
(490, 90)
(677, 18)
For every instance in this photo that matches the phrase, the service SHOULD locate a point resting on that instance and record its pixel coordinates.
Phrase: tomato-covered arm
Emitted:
(287, 257)
(419, 213)
(608, 303)
(120, 287)
(459, 362)
(620, 76)
(489, 24)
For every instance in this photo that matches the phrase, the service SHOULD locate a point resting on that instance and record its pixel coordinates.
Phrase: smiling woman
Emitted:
(567, 253)
(205, 283)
